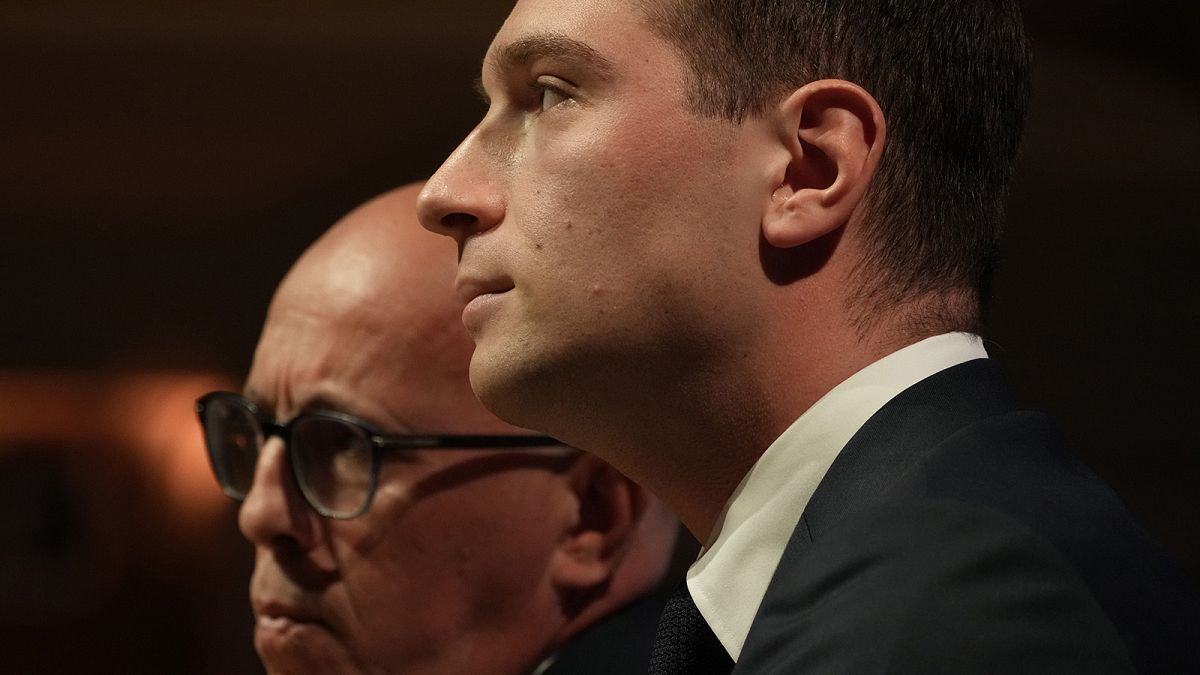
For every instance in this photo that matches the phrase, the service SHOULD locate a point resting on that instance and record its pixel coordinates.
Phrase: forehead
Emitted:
(593, 33)
(403, 373)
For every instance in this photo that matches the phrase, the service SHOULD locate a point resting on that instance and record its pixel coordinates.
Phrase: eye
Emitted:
(551, 92)
(551, 98)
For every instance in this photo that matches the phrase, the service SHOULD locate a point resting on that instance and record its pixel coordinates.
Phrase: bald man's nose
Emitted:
(273, 509)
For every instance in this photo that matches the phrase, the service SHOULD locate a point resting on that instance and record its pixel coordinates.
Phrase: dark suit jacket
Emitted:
(618, 644)
(955, 533)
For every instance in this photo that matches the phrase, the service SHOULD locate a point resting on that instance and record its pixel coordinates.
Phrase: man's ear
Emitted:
(610, 506)
(834, 132)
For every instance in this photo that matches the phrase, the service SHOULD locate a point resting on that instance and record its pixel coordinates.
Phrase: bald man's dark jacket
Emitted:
(618, 644)
(955, 533)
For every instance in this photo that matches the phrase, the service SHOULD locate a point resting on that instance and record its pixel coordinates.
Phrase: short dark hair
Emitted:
(952, 78)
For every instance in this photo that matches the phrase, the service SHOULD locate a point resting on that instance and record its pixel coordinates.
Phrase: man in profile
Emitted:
(739, 249)
(398, 526)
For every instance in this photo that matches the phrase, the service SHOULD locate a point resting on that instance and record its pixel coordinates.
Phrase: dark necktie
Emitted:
(684, 644)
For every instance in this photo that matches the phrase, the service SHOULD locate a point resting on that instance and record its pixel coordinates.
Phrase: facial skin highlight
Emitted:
(463, 560)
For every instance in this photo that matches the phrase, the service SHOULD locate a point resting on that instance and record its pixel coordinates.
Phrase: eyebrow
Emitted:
(524, 50)
(316, 402)
(256, 397)
(326, 403)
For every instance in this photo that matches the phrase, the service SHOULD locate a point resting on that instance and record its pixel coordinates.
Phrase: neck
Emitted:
(691, 436)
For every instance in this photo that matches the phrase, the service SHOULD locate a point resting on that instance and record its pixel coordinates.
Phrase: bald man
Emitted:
(388, 542)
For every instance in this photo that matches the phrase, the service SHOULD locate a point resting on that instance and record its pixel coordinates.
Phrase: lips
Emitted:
(277, 610)
(279, 627)
(483, 297)
(274, 628)
(471, 287)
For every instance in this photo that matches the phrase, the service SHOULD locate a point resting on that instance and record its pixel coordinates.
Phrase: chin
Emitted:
(302, 667)
(499, 396)
(543, 386)
(306, 658)
(507, 387)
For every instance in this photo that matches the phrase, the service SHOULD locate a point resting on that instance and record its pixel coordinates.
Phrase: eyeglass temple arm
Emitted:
(442, 441)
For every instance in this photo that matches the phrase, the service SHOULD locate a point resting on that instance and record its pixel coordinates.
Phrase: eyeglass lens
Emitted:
(330, 459)
(234, 437)
(333, 465)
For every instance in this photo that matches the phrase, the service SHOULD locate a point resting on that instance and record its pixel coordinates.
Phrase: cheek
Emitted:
(391, 585)
(449, 564)
(631, 206)
(398, 580)
(592, 201)
(599, 164)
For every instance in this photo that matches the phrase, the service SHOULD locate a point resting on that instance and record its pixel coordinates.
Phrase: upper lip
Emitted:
(470, 286)
(280, 610)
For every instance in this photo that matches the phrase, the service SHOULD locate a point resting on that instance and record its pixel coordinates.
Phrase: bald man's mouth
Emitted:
(279, 625)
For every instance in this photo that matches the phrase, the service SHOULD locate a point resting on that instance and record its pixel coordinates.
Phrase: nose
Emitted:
(463, 198)
(274, 512)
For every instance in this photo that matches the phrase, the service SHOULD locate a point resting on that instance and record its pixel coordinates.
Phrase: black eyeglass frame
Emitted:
(379, 443)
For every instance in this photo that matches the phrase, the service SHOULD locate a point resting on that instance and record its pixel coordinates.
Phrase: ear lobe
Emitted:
(834, 132)
(610, 506)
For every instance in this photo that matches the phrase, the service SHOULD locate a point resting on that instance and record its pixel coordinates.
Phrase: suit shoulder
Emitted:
(931, 585)
(1018, 465)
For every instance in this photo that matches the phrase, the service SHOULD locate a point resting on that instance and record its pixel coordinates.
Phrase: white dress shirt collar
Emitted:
(729, 579)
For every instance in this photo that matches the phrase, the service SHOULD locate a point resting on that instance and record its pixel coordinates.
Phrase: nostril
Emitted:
(458, 220)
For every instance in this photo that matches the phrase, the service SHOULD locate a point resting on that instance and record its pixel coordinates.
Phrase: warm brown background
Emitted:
(161, 164)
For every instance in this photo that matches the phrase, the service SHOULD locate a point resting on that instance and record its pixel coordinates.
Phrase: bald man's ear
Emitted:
(610, 507)
(834, 133)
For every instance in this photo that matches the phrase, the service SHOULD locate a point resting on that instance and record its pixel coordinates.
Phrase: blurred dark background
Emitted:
(162, 164)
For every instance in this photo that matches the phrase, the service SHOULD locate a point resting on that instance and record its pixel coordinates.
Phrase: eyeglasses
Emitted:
(335, 457)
